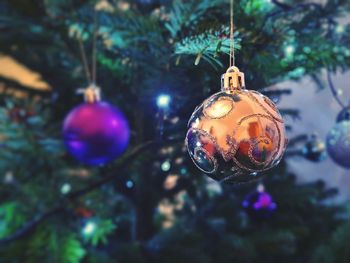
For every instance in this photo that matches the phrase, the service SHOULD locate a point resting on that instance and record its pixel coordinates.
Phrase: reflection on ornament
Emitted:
(236, 133)
(219, 108)
(338, 143)
(95, 132)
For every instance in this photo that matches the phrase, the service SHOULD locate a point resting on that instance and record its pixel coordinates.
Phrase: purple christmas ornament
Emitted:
(259, 204)
(95, 132)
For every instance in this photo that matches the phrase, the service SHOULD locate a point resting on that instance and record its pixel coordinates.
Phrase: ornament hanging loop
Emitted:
(232, 80)
(92, 93)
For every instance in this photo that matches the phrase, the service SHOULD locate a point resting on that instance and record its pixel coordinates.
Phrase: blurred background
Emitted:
(130, 192)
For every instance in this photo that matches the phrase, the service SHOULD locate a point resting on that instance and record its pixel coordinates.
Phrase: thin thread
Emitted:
(334, 91)
(94, 50)
(84, 60)
(232, 41)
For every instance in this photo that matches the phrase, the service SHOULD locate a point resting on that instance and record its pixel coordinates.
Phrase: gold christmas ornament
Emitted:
(236, 133)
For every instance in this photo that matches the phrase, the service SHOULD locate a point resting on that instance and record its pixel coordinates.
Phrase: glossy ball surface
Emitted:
(232, 137)
(259, 205)
(95, 133)
(338, 144)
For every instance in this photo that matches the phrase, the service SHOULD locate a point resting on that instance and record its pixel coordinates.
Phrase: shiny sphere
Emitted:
(259, 205)
(95, 133)
(338, 144)
(344, 115)
(232, 137)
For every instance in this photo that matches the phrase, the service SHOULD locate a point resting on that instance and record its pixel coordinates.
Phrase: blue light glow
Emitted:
(129, 184)
(163, 101)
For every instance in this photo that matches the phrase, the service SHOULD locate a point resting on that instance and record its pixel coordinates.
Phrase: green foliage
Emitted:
(336, 250)
(99, 234)
(184, 15)
(51, 246)
(144, 50)
(207, 46)
(11, 218)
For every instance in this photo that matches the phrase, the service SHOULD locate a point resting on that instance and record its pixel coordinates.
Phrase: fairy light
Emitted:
(129, 184)
(163, 101)
(89, 228)
(289, 50)
(65, 189)
(340, 29)
(165, 166)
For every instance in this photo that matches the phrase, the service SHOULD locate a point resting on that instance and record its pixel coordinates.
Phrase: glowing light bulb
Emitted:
(65, 189)
(261, 188)
(165, 166)
(89, 228)
(163, 101)
(340, 29)
(289, 50)
(129, 184)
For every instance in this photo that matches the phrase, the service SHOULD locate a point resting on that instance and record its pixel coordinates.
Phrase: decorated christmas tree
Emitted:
(94, 164)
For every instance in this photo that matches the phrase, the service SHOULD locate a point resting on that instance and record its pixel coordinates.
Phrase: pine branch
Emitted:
(285, 8)
(127, 160)
(31, 224)
(129, 157)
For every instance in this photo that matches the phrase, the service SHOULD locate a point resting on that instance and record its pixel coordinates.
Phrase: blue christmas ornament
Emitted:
(338, 144)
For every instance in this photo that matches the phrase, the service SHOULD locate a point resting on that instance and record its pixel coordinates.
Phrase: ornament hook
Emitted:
(91, 94)
(232, 80)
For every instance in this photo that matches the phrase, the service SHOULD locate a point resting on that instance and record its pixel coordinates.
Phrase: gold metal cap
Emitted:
(232, 80)
(91, 94)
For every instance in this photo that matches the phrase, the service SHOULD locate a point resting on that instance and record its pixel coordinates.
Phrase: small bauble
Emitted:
(236, 133)
(95, 132)
(344, 115)
(314, 150)
(338, 143)
(259, 204)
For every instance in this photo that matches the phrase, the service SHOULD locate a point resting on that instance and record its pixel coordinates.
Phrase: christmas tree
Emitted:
(156, 60)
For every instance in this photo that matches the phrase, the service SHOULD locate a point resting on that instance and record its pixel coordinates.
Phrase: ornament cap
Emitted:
(91, 94)
(232, 80)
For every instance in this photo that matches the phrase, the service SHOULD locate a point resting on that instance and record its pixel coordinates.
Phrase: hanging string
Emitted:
(94, 49)
(90, 75)
(334, 91)
(232, 41)
(84, 60)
